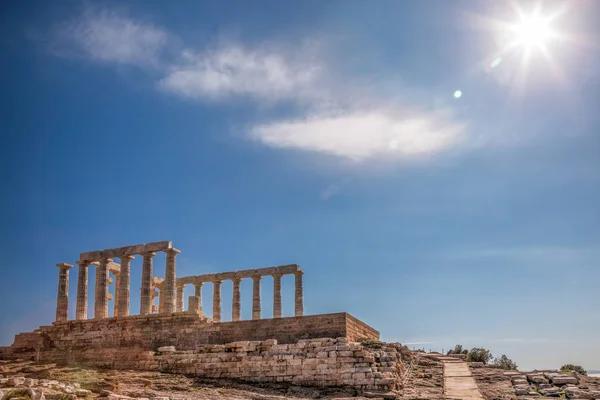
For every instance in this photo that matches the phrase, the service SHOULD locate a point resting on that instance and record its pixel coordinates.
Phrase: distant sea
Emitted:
(594, 373)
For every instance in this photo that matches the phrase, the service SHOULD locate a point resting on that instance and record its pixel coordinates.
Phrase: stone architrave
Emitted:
(62, 299)
(217, 301)
(277, 295)
(146, 292)
(299, 295)
(256, 296)
(168, 288)
(82, 290)
(124, 286)
(236, 300)
(101, 302)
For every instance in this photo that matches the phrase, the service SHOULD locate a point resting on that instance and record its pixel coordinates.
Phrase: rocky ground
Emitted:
(26, 380)
(32, 381)
(495, 383)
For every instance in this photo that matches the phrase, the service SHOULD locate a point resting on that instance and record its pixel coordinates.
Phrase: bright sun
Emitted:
(533, 31)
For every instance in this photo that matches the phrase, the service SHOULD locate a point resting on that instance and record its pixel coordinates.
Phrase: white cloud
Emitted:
(109, 37)
(235, 71)
(364, 134)
(366, 128)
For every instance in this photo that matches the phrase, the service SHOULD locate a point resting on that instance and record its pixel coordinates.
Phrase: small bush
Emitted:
(505, 363)
(22, 393)
(458, 349)
(371, 344)
(573, 368)
(479, 355)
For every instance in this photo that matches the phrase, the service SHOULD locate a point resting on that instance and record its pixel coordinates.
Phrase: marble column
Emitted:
(236, 302)
(277, 295)
(62, 299)
(256, 297)
(217, 301)
(82, 290)
(124, 286)
(101, 302)
(146, 292)
(299, 295)
(179, 303)
(168, 288)
(116, 296)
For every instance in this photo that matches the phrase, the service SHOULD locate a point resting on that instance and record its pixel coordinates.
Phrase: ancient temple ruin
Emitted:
(169, 290)
(321, 349)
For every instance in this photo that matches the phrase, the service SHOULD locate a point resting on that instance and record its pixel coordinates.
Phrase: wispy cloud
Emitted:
(110, 37)
(363, 134)
(331, 114)
(333, 189)
(232, 70)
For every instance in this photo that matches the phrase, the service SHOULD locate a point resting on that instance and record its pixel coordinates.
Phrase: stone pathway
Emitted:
(458, 381)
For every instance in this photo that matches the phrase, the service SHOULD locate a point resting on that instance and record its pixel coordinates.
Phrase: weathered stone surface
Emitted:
(563, 379)
(126, 251)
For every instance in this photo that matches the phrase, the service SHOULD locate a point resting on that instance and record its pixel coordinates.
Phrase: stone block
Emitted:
(563, 379)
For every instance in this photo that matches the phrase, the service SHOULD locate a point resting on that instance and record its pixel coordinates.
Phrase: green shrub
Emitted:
(573, 368)
(458, 349)
(479, 355)
(505, 363)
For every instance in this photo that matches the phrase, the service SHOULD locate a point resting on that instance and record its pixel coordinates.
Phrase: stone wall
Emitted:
(321, 362)
(185, 331)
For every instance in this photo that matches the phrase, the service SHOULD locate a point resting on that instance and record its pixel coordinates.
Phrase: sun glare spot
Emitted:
(533, 31)
(457, 94)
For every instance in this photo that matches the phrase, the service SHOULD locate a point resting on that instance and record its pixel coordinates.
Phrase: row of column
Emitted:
(195, 302)
(122, 288)
(169, 303)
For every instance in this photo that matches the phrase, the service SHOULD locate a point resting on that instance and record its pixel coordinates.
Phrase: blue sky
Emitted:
(320, 133)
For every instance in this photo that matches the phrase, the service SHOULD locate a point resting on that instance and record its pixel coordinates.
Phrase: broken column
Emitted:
(124, 286)
(62, 300)
(101, 301)
(179, 301)
(277, 295)
(146, 292)
(116, 296)
(217, 301)
(256, 297)
(82, 290)
(168, 288)
(236, 302)
(299, 296)
(195, 301)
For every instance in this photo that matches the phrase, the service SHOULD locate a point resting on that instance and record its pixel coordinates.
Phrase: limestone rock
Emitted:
(166, 349)
(563, 379)
(36, 394)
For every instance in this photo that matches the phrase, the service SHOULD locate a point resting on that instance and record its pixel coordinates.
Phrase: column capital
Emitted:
(127, 257)
(199, 284)
(105, 260)
(217, 282)
(277, 275)
(173, 251)
(257, 277)
(83, 263)
(236, 280)
(64, 266)
(148, 254)
(299, 272)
